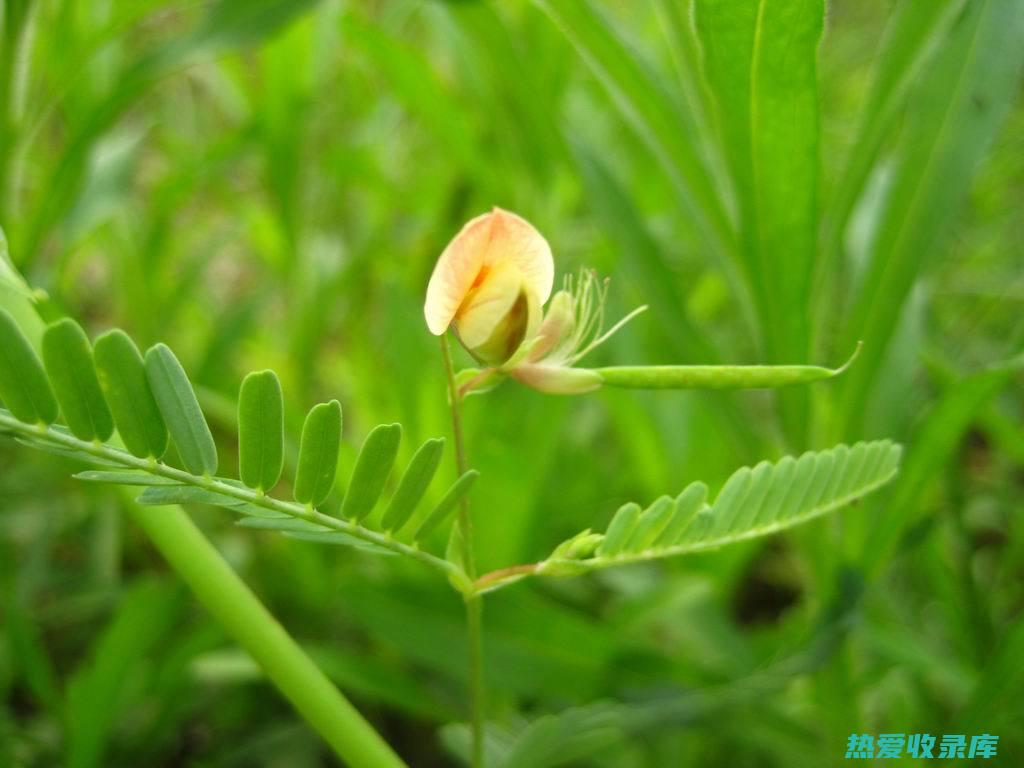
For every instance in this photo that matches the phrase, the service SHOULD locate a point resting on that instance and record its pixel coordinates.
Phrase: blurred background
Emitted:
(268, 184)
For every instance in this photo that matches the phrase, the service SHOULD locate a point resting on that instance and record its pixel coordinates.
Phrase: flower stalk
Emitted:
(473, 599)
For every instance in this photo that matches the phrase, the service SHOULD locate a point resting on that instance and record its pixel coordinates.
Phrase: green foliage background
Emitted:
(268, 184)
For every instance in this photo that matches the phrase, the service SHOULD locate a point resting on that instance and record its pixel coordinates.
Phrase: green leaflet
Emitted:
(122, 477)
(373, 465)
(685, 508)
(23, 385)
(44, 445)
(159, 494)
(260, 430)
(69, 364)
(619, 531)
(283, 524)
(447, 504)
(650, 524)
(413, 485)
(178, 404)
(122, 376)
(318, 453)
(755, 501)
(338, 537)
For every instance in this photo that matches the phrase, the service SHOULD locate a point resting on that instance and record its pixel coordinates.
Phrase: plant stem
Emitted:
(461, 463)
(474, 602)
(231, 602)
(477, 692)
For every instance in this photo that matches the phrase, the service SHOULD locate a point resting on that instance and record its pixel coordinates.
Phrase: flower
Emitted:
(571, 329)
(489, 286)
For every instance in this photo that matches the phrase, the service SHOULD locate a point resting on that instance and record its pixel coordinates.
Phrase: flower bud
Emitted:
(557, 326)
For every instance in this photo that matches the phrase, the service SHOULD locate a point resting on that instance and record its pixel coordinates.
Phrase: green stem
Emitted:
(461, 463)
(477, 692)
(474, 602)
(231, 602)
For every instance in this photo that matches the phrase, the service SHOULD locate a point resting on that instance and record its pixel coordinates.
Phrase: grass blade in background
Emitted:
(951, 123)
(936, 440)
(761, 63)
(914, 34)
(643, 98)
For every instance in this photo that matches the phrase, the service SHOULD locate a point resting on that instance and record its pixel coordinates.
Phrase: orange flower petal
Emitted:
(492, 239)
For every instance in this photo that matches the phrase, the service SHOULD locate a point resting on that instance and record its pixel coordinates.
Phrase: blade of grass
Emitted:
(954, 118)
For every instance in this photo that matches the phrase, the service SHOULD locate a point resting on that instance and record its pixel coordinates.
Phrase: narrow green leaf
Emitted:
(158, 495)
(373, 465)
(413, 485)
(644, 101)
(178, 404)
(122, 477)
(122, 375)
(447, 504)
(23, 385)
(760, 60)
(619, 530)
(69, 363)
(340, 538)
(953, 117)
(938, 436)
(318, 453)
(912, 36)
(68, 453)
(260, 430)
(283, 524)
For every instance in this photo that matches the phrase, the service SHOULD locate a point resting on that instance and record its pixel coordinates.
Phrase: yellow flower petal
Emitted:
(488, 244)
(488, 304)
